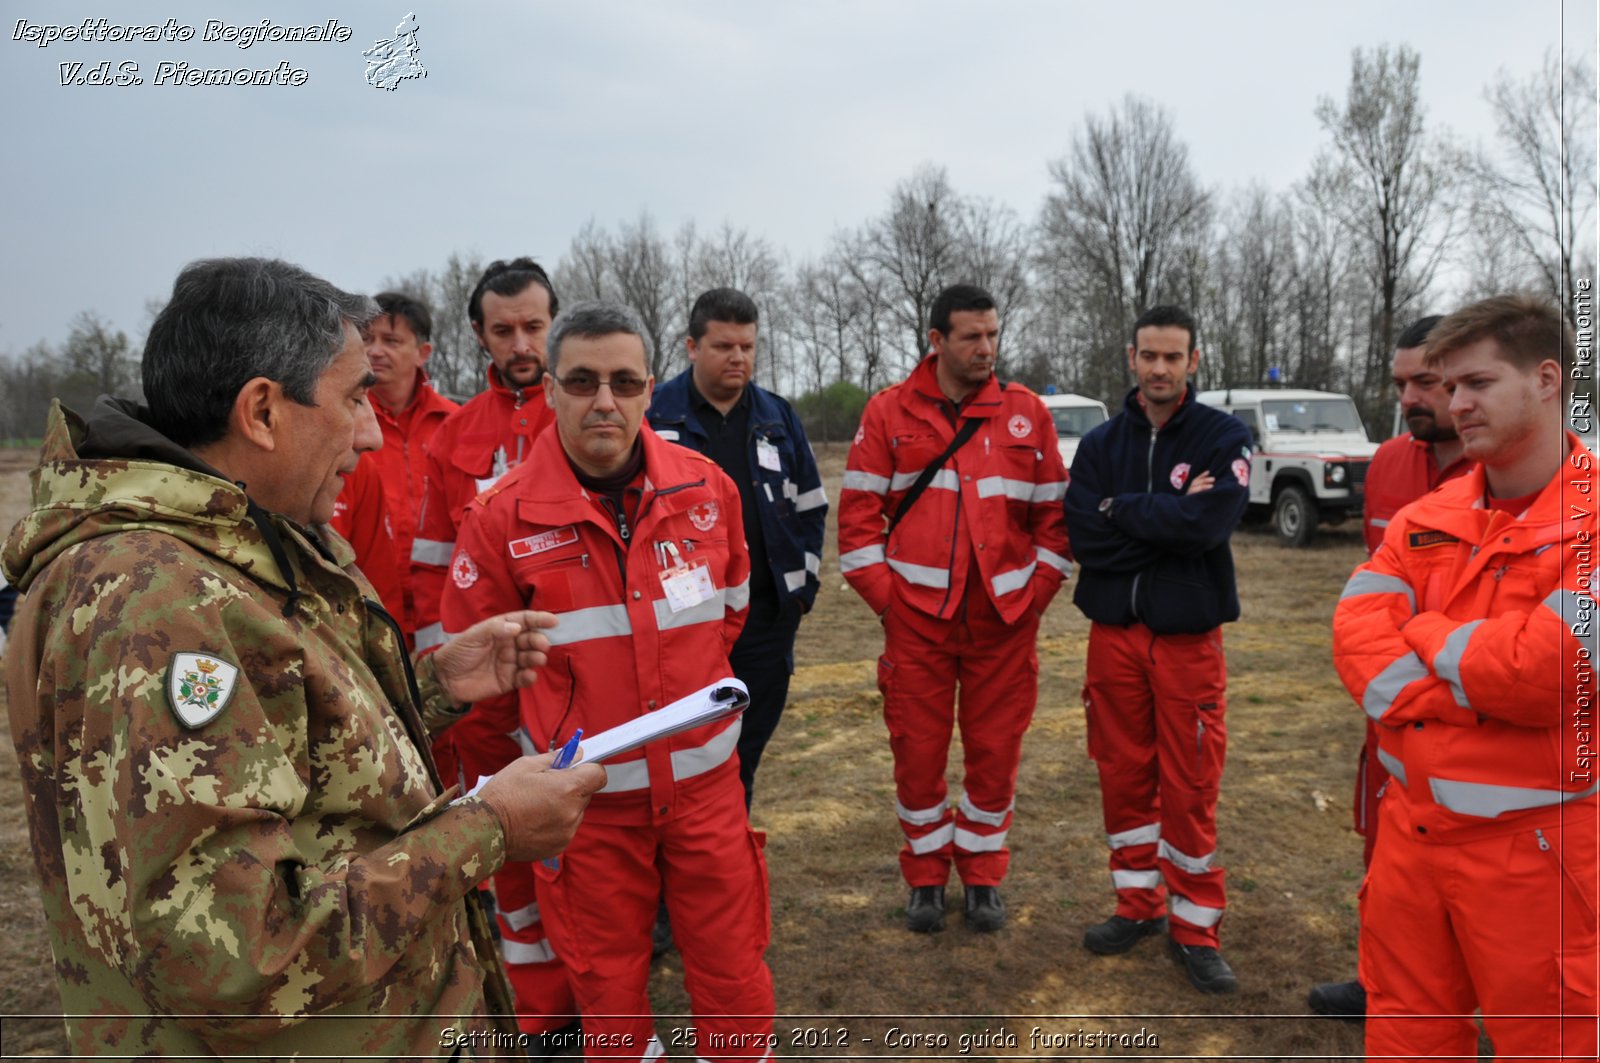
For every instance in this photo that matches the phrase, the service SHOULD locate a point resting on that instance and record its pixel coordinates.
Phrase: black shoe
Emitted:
(1339, 1000)
(925, 909)
(661, 934)
(563, 1041)
(985, 911)
(1207, 970)
(1119, 934)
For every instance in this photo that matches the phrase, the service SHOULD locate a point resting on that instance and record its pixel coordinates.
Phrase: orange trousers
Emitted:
(1504, 923)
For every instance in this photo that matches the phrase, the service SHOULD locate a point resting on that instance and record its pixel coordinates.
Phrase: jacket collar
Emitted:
(1458, 505)
(983, 403)
(1135, 409)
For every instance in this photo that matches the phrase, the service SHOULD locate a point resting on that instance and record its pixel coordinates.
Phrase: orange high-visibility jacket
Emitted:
(1469, 639)
(1002, 489)
(475, 446)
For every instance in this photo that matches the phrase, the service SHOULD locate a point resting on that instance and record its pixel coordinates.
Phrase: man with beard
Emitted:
(1404, 469)
(510, 309)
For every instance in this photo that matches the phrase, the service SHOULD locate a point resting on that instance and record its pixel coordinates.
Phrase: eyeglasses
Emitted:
(584, 384)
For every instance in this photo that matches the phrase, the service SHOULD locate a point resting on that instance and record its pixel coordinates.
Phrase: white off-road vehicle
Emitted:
(1074, 415)
(1311, 456)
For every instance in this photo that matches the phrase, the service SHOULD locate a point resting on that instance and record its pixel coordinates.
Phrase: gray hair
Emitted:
(233, 319)
(591, 320)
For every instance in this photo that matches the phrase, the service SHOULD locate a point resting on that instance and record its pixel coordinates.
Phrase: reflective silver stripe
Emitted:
(518, 918)
(978, 815)
(1378, 522)
(945, 479)
(1054, 491)
(813, 563)
(686, 763)
(1015, 580)
(867, 555)
(1447, 662)
(856, 480)
(711, 611)
(931, 842)
(1135, 880)
(1195, 865)
(1054, 560)
(432, 552)
(971, 842)
(524, 952)
(920, 817)
(668, 433)
(1146, 835)
(738, 597)
(524, 741)
(431, 637)
(1574, 608)
(815, 498)
(1377, 583)
(794, 580)
(1387, 684)
(596, 622)
(1021, 490)
(1488, 801)
(1192, 913)
(921, 575)
(1393, 764)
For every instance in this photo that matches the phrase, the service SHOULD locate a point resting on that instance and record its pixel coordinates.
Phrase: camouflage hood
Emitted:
(113, 473)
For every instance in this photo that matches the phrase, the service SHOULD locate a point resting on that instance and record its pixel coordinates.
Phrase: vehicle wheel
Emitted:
(1294, 515)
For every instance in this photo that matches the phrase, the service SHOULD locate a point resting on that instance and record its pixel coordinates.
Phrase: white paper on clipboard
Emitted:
(720, 700)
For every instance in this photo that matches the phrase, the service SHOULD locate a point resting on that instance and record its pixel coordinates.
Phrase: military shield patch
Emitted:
(199, 686)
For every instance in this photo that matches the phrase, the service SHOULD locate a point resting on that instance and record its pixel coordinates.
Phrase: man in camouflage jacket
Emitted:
(240, 840)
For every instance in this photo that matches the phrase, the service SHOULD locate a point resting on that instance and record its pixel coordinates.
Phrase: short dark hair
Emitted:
(955, 298)
(1167, 316)
(231, 320)
(1416, 333)
(508, 279)
(1527, 329)
(722, 304)
(592, 320)
(414, 310)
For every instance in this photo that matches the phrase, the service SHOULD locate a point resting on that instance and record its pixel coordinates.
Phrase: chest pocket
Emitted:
(474, 455)
(548, 580)
(915, 450)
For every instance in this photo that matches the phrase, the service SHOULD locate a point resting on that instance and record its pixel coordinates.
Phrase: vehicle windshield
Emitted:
(1076, 420)
(1311, 415)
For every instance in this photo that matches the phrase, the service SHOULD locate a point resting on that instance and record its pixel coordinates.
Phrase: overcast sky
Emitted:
(790, 120)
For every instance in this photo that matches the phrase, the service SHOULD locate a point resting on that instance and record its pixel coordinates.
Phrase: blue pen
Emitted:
(569, 750)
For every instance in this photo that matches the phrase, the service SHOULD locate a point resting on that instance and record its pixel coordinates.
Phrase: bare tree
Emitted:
(1540, 193)
(642, 269)
(1386, 184)
(911, 254)
(457, 363)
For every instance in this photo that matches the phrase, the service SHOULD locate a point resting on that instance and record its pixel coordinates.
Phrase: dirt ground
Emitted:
(852, 982)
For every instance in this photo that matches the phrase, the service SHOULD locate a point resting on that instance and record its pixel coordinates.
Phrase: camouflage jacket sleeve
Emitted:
(285, 856)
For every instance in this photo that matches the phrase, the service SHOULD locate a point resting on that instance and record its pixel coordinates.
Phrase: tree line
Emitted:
(1310, 284)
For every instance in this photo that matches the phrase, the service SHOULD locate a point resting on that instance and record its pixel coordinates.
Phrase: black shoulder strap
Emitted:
(925, 477)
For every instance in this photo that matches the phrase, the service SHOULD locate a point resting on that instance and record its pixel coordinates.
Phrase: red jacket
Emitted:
(537, 540)
(361, 515)
(1402, 471)
(1463, 638)
(475, 446)
(1000, 502)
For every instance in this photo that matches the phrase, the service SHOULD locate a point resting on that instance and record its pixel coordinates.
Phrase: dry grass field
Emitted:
(852, 982)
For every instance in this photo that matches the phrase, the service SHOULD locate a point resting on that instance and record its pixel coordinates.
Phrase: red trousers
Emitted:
(996, 667)
(1155, 707)
(600, 902)
(478, 745)
(1504, 923)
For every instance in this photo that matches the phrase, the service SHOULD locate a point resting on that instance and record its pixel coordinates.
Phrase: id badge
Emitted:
(687, 586)
(767, 456)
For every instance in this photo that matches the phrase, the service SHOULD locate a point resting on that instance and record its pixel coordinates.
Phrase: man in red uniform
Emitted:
(510, 309)
(960, 587)
(361, 516)
(409, 412)
(1469, 639)
(1404, 469)
(1155, 494)
(638, 547)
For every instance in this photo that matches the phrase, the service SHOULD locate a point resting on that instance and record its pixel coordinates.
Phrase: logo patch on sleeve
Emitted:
(463, 570)
(548, 540)
(1424, 539)
(1019, 426)
(199, 687)
(1180, 475)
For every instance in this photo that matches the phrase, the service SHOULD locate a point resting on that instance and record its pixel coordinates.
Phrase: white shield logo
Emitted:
(199, 687)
